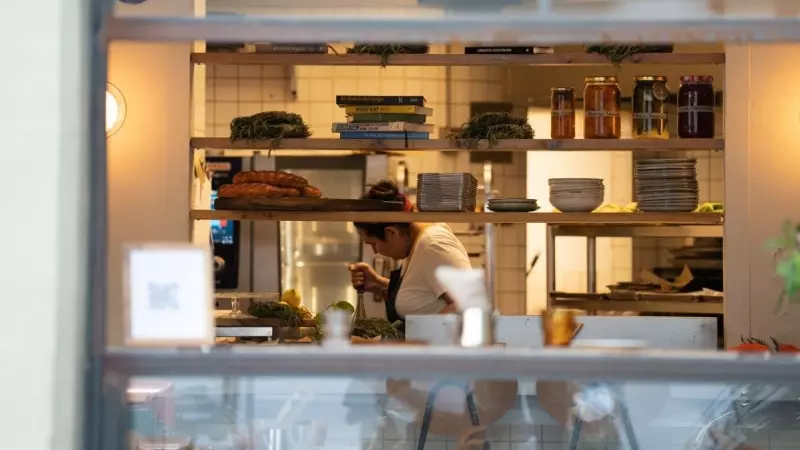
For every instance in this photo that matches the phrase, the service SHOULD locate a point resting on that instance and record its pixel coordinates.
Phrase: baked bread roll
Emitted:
(255, 190)
(272, 177)
(311, 191)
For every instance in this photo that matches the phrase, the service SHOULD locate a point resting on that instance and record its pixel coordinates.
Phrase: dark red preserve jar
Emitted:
(696, 107)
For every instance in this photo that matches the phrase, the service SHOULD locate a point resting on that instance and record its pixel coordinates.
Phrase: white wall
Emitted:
(149, 163)
(763, 188)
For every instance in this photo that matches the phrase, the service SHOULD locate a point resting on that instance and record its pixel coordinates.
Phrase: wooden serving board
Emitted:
(305, 204)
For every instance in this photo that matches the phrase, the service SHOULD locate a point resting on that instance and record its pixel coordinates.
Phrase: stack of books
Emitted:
(383, 117)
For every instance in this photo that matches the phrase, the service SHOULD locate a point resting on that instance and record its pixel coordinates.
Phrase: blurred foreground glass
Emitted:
(438, 21)
(304, 413)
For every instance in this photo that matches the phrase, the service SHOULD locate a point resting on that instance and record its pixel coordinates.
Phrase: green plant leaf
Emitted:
(343, 306)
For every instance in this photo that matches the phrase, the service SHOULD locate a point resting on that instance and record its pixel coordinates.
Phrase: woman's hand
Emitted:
(362, 276)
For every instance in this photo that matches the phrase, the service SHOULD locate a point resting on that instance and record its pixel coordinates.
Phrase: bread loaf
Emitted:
(255, 190)
(311, 192)
(272, 177)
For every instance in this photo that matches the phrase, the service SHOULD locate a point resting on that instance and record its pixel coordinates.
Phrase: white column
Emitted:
(45, 147)
(762, 187)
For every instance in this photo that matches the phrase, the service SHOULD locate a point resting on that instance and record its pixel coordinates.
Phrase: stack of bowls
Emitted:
(576, 194)
(666, 185)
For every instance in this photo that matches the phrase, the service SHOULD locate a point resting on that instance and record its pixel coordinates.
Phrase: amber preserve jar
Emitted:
(650, 100)
(696, 107)
(562, 113)
(602, 108)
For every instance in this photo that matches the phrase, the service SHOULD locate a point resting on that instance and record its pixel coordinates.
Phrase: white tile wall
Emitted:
(242, 90)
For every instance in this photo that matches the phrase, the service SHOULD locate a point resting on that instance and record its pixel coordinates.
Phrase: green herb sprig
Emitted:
(493, 127)
(372, 327)
(288, 316)
(386, 50)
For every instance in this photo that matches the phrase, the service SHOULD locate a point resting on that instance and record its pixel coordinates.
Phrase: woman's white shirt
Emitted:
(419, 292)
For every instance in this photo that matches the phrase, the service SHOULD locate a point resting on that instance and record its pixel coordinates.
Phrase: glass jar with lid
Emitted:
(562, 113)
(602, 107)
(650, 101)
(696, 107)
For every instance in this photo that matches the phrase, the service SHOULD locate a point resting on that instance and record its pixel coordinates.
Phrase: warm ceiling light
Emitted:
(115, 109)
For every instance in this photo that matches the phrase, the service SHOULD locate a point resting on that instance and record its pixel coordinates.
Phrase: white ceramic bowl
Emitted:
(576, 203)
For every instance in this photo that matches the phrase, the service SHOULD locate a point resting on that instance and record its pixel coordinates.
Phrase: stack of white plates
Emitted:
(446, 192)
(666, 185)
(512, 205)
(576, 194)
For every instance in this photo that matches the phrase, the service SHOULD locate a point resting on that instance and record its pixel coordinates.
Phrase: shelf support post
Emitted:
(550, 256)
(591, 264)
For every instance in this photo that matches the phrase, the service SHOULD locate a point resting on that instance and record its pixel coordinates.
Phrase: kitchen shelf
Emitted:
(658, 231)
(640, 302)
(553, 59)
(515, 145)
(597, 219)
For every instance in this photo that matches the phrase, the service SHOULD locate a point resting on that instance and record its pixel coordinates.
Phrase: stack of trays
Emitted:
(576, 194)
(666, 185)
(446, 192)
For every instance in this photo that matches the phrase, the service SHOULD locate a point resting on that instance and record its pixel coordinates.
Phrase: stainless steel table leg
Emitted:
(550, 252)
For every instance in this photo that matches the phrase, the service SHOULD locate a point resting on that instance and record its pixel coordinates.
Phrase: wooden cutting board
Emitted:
(305, 204)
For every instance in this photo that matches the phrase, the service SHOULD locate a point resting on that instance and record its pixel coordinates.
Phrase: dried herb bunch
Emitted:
(493, 126)
(619, 53)
(386, 50)
(274, 125)
(372, 327)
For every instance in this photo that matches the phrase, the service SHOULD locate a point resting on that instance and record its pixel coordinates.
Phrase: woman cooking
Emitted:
(411, 289)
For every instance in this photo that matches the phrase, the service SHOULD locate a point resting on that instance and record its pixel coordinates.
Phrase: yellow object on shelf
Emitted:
(710, 207)
(614, 208)
(291, 297)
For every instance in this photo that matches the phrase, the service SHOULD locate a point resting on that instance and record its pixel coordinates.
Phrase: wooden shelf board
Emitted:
(555, 59)
(611, 219)
(517, 145)
(641, 306)
(640, 302)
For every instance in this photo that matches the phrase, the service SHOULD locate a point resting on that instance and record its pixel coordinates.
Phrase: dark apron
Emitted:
(395, 280)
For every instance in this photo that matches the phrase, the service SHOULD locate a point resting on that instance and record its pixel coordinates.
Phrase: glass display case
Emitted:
(305, 397)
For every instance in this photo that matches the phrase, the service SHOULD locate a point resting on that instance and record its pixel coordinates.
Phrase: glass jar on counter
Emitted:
(650, 101)
(602, 107)
(696, 107)
(562, 113)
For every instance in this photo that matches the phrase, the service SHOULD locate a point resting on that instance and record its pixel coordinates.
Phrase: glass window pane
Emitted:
(538, 21)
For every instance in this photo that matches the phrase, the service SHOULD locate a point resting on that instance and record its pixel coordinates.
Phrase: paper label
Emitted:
(169, 293)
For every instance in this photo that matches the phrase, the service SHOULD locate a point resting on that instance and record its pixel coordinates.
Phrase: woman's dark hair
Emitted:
(386, 191)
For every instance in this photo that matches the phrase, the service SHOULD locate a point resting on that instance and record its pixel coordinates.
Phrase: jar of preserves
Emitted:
(562, 113)
(696, 107)
(602, 107)
(650, 100)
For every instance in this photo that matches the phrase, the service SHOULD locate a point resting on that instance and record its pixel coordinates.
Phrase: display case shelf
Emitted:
(514, 145)
(552, 59)
(596, 219)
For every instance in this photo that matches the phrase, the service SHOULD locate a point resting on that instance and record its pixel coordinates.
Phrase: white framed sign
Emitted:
(169, 295)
